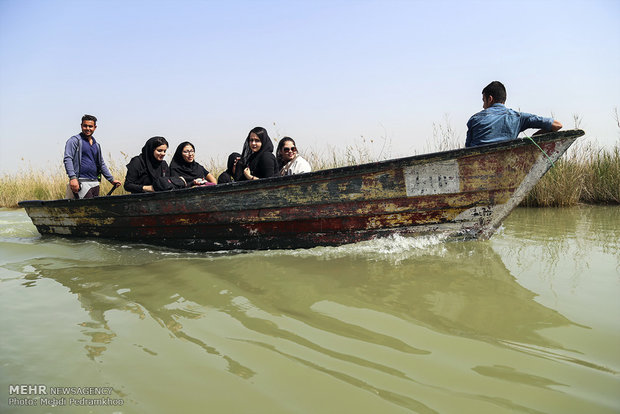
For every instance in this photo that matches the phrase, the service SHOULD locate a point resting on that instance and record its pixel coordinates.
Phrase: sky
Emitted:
(330, 74)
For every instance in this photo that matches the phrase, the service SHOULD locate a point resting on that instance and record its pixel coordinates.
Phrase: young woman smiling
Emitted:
(289, 160)
(184, 165)
(145, 168)
(257, 157)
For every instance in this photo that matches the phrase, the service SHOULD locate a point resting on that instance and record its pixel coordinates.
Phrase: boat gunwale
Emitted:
(254, 185)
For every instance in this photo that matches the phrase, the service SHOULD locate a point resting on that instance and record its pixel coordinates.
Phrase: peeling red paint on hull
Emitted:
(460, 193)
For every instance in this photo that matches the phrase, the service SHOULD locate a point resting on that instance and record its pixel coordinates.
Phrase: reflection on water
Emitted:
(554, 232)
(398, 325)
(445, 289)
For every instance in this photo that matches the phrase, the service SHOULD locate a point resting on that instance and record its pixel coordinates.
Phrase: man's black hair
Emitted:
(497, 90)
(89, 118)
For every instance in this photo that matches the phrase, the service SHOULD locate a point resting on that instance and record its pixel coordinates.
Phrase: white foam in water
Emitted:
(18, 230)
(393, 248)
(15, 224)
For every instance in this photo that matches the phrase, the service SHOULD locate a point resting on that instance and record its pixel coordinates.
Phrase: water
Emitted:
(526, 322)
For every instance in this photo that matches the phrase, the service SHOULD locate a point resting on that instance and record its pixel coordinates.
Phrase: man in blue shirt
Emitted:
(84, 162)
(497, 123)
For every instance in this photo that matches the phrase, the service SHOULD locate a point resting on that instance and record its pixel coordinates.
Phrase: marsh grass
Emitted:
(586, 174)
(46, 184)
(560, 187)
(601, 181)
(363, 151)
(30, 185)
(445, 138)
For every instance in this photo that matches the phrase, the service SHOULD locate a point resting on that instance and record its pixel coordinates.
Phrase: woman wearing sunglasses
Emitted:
(289, 160)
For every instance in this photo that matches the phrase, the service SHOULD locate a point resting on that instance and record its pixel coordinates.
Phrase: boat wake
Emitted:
(394, 248)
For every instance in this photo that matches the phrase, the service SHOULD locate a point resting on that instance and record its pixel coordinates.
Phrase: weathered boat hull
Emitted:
(463, 193)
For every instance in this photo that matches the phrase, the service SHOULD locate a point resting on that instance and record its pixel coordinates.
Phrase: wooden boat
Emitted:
(464, 193)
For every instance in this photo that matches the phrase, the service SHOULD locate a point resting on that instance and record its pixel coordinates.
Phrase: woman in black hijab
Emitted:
(257, 157)
(147, 167)
(228, 176)
(184, 165)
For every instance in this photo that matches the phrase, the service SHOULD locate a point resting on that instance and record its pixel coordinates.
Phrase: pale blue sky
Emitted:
(325, 72)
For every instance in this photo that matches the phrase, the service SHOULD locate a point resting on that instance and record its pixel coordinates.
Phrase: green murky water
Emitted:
(526, 322)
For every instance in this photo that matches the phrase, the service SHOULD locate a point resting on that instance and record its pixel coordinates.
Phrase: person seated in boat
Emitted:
(84, 163)
(257, 156)
(184, 165)
(228, 176)
(148, 171)
(497, 123)
(289, 160)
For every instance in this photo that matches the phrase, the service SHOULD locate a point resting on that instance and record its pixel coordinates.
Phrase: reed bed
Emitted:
(586, 174)
(31, 185)
(37, 184)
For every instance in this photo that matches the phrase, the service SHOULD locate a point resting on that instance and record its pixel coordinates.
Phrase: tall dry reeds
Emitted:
(601, 181)
(560, 187)
(363, 151)
(33, 184)
(585, 174)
